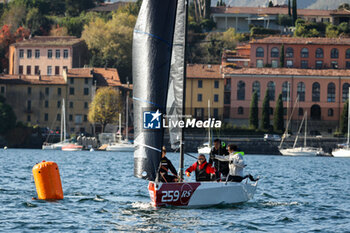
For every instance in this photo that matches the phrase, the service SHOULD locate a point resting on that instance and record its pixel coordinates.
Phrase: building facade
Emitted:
(47, 55)
(204, 83)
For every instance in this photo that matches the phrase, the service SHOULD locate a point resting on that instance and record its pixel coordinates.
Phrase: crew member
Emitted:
(164, 166)
(220, 166)
(204, 171)
(236, 164)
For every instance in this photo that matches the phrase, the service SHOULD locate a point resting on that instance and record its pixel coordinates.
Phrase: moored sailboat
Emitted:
(154, 42)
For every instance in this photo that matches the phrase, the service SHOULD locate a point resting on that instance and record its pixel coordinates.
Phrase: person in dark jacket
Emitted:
(220, 166)
(164, 166)
(204, 171)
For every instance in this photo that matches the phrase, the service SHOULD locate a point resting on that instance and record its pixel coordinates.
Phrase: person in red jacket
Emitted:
(204, 171)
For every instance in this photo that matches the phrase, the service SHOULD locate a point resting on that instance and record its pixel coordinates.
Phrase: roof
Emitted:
(107, 77)
(108, 7)
(50, 41)
(286, 72)
(270, 11)
(299, 40)
(203, 71)
(32, 79)
(80, 73)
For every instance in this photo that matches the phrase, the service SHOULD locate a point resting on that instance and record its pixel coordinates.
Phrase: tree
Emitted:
(285, 20)
(58, 31)
(254, 112)
(344, 6)
(265, 118)
(278, 120)
(344, 118)
(332, 31)
(14, 16)
(295, 13)
(289, 9)
(282, 56)
(75, 7)
(105, 107)
(271, 4)
(36, 22)
(7, 117)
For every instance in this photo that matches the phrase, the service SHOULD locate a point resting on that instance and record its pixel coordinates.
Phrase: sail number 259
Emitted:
(170, 196)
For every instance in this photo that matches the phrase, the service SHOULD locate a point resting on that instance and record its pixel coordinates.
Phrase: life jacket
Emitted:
(164, 165)
(240, 152)
(201, 174)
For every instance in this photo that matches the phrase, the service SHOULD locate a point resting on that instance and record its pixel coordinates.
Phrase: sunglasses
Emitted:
(201, 159)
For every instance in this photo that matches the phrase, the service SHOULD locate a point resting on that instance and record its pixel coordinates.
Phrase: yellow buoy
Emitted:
(47, 181)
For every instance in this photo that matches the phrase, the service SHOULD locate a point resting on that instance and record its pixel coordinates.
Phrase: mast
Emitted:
(120, 127)
(209, 129)
(127, 116)
(305, 133)
(347, 142)
(61, 134)
(64, 121)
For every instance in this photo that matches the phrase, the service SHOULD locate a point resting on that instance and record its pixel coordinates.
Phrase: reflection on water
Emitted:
(101, 194)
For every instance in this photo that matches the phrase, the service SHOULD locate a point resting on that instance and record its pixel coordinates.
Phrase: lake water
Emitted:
(101, 194)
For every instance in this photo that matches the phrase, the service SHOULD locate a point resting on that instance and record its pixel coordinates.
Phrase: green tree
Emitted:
(278, 121)
(270, 4)
(285, 20)
(105, 107)
(332, 31)
(254, 112)
(282, 56)
(7, 117)
(36, 22)
(295, 11)
(75, 7)
(265, 117)
(344, 118)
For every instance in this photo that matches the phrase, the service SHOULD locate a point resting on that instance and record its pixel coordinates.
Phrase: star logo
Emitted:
(151, 120)
(156, 115)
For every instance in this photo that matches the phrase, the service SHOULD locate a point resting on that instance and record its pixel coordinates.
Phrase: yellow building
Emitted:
(204, 83)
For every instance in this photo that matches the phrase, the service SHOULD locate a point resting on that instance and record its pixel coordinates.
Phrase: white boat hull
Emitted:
(301, 151)
(343, 153)
(200, 194)
(204, 150)
(122, 147)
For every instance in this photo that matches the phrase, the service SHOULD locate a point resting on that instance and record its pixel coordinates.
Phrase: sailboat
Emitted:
(159, 87)
(305, 150)
(206, 148)
(63, 136)
(345, 151)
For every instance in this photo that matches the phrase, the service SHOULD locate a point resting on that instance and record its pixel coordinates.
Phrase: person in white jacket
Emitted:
(236, 164)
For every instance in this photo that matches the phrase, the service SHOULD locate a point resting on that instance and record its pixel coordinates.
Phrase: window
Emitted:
(301, 91)
(86, 81)
(65, 53)
(240, 111)
(200, 83)
(71, 81)
(86, 105)
(216, 113)
(85, 117)
(20, 69)
(216, 84)
(86, 91)
(347, 53)
(301, 112)
(37, 53)
(2, 90)
(28, 118)
(216, 98)
(240, 90)
(21, 53)
(347, 64)
(256, 88)
(345, 91)
(289, 52)
(285, 91)
(319, 64)
(316, 92)
(29, 90)
(29, 69)
(260, 52)
(259, 63)
(70, 117)
(49, 53)
(57, 70)
(29, 53)
(47, 90)
(284, 111)
(49, 70)
(46, 117)
(58, 117)
(275, 52)
(59, 91)
(304, 52)
(199, 97)
(71, 90)
(304, 64)
(274, 63)
(46, 103)
(334, 64)
(330, 112)
(331, 92)
(334, 53)
(199, 112)
(289, 63)
(78, 119)
(271, 90)
(58, 53)
(36, 70)
(29, 105)
(319, 53)
(271, 111)
(58, 104)
(71, 104)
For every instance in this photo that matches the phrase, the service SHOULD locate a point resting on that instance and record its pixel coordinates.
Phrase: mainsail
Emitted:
(175, 99)
(152, 48)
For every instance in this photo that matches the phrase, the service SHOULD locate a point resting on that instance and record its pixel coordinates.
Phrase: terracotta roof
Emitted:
(50, 40)
(286, 71)
(32, 79)
(107, 77)
(269, 11)
(108, 7)
(298, 40)
(203, 71)
(340, 12)
(80, 73)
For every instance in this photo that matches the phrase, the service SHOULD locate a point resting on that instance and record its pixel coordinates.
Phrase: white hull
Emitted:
(204, 150)
(200, 194)
(71, 149)
(55, 146)
(122, 147)
(302, 151)
(343, 153)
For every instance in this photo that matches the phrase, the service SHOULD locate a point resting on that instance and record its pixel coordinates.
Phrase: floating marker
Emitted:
(47, 181)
